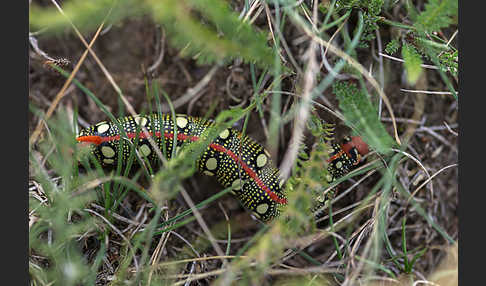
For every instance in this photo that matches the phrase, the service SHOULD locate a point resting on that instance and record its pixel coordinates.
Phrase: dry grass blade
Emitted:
(193, 91)
(118, 232)
(430, 179)
(61, 93)
(203, 224)
(302, 113)
(358, 67)
(428, 91)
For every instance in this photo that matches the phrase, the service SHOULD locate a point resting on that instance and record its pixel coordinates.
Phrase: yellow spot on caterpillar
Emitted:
(262, 208)
(208, 173)
(181, 122)
(103, 127)
(261, 160)
(145, 150)
(140, 120)
(320, 199)
(107, 151)
(224, 134)
(108, 161)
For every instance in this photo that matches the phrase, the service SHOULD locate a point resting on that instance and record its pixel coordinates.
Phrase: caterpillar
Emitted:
(236, 160)
(343, 158)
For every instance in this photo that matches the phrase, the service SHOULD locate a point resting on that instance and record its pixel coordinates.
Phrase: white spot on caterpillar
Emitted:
(261, 160)
(181, 122)
(262, 208)
(140, 120)
(145, 150)
(237, 184)
(339, 164)
(224, 134)
(103, 127)
(211, 163)
(208, 173)
(107, 151)
(108, 161)
(329, 178)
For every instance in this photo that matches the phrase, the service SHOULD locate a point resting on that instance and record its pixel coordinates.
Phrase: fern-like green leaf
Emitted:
(438, 14)
(392, 47)
(363, 116)
(86, 15)
(413, 63)
(222, 37)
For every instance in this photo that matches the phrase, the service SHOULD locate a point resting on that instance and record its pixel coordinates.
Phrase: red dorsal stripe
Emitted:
(90, 139)
(337, 155)
(99, 139)
(250, 172)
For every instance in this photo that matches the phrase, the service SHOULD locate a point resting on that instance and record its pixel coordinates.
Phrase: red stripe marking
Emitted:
(337, 155)
(99, 139)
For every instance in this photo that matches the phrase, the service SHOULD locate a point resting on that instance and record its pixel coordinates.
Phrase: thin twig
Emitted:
(427, 91)
(192, 91)
(402, 61)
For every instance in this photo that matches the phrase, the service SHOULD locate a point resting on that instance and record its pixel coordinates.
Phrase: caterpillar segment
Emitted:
(235, 160)
(343, 158)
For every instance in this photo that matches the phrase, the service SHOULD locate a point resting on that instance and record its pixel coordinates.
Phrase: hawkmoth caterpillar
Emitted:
(343, 158)
(236, 160)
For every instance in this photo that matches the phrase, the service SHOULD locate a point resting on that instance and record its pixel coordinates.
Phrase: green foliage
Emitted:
(438, 14)
(392, 47)
(87, 15)
(371, 10)
(206, 29)
(419, 40)
(373, 6)
(222, 36)
(361, 115)
(448, 62)
(413, 63)
(407, 264)
(56, 235)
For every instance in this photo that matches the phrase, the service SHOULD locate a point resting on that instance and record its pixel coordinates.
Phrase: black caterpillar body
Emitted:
(236, 160)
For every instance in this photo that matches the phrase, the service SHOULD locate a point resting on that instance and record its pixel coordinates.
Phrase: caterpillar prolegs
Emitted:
(237, 161)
